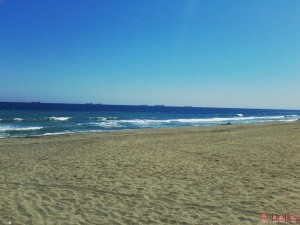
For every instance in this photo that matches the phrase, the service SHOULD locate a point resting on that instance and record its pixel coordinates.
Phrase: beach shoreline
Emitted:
(155, 130)
(183, 175)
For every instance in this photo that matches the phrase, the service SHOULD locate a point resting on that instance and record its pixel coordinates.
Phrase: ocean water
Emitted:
(41, 119)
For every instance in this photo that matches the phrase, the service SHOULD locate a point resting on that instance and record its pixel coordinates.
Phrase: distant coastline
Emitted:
(98, 106)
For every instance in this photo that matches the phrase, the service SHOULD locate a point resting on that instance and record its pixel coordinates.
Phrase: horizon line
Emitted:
(145, 105)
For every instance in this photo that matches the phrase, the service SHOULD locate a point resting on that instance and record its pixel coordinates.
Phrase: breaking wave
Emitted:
(18, 119)
(194, 121)
(101, 118)
(11, 128)
(57, 123)
(55, 133)
(54, 118)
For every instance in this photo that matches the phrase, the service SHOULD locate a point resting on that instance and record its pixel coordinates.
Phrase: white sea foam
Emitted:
(150, 122)
(18, 119)
(142, 123)
(101, 118)
(11, 128)
(110, 124)
(111, 118)
(55, 133)
(200, 120)
(208, 120)
(59, 118)
(289, 120)
(272, 117)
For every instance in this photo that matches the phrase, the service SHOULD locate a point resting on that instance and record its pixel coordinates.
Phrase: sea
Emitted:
(43, 119)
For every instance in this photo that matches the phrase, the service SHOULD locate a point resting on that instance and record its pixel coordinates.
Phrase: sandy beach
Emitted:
(190, 175)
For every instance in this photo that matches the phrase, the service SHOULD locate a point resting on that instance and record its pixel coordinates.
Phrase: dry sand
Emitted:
(216, 175)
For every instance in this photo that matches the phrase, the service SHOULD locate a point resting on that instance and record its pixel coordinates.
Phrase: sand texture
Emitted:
(214, 175)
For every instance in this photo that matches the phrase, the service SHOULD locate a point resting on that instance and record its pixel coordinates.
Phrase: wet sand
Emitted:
(196, 175)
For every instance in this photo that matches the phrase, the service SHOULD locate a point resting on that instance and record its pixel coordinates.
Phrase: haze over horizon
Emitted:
(241, 54)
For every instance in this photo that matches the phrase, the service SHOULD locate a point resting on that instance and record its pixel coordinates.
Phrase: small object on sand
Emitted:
(226, 123)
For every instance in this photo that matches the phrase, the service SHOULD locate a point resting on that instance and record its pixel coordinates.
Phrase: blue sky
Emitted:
(173, 52)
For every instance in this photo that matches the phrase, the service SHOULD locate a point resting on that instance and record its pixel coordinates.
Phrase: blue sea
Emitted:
(42, 119)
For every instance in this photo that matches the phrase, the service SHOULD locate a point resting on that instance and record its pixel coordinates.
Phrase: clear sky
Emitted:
(242, 53)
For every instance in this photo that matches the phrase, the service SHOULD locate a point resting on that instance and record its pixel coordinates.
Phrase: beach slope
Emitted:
(191, 175)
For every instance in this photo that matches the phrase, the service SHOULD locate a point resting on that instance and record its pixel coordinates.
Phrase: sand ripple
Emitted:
(220, 175)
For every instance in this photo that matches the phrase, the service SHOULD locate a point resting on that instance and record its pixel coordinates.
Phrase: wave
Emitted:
(288, 120)
(55, 133)
(203, 120)
(28, 120)
(101, 118)
(108, 124)
(111, 118)
(192, 121)
(96, 118)
(54, 118)
(214, 119)
(18, 119)
(11, 128)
